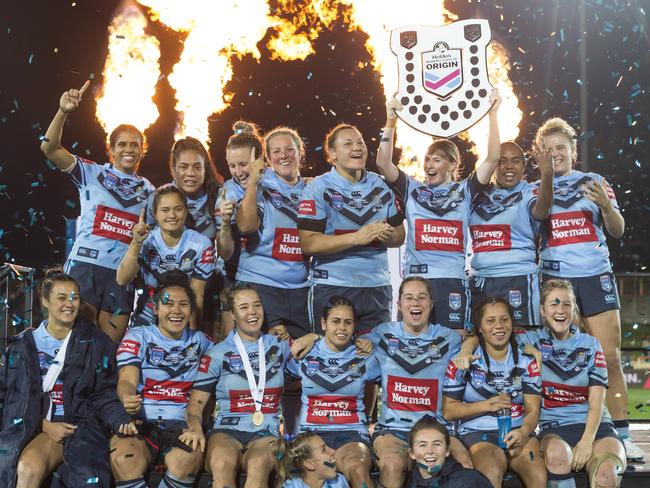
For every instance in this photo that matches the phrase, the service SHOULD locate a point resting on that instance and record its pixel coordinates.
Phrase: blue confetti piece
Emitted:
(70, 203)
(92, 481)
(309, 76)
(75, 144)
(17, 421)
(31, 58)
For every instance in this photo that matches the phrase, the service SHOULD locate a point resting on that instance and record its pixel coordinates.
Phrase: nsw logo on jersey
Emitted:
(114, 224)
(411, 394)
(439, 201)
(286, 245)
(487, 238)
(439, 235)
(332, 409)
(570, 228)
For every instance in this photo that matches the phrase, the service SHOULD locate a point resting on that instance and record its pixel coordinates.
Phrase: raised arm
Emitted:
(129, 266)
(51, 145)
(485, 170)
(247, 219)
(544, 201)
(225, 240)
(387, 142)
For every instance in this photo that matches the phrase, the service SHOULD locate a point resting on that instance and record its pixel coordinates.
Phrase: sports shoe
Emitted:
(633, 452)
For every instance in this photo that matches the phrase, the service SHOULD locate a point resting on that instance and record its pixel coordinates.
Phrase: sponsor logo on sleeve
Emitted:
(307, 207)
(241, 401)
(129, 347)
(204, 365)
(114, 224)
(57, 393)
(570, 228)
(325, 409)
(533, 369)
(488, 238)
(286, 245)
(413, 395)
(168, 390)
(439, 235)
(599, 360)
(451, 370)
(207, 256)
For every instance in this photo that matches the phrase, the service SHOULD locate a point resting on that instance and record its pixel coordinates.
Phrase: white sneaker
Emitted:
(633, 452)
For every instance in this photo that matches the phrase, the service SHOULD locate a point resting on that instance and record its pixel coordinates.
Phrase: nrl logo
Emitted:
(443, 79)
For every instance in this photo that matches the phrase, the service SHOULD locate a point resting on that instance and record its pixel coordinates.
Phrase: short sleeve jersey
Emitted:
(222, 372)
(193, 255)
(167, 368)
(333, 385)
(503, 231)
(200, 219)
(573, 241)
(235, 192)
(338, 482)
(412, 372)
(275, 259)
(480, 383)
(111, 202)
(334, 205)
(437, 218)
(48, 347)
(569, 368)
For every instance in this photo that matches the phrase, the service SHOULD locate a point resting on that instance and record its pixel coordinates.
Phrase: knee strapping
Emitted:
(596, 461)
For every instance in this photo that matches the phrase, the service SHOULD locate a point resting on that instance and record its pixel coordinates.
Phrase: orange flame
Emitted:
(130, 73)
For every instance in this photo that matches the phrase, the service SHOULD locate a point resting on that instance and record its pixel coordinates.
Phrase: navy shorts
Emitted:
(491, 436)
(402, 435)
(244, 438)
(98, 287)
(572, 433)
(212, 299)
(160, 438)
(594, 294)
(521, 292)
(451, 303)
(372, 304)
(338, 438)
(285, 306)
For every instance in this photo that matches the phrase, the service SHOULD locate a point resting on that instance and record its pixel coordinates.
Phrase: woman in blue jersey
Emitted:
(247, 422)
(504, 224)
(158, 364)
(169, 246)
(348, 219)
(576, 429)
(273, 262)
(111, 197)
(333, 382)
(500, 381)
(574, 247)
(57, 392)
(241, 149)
(307, 462)
(437, 213)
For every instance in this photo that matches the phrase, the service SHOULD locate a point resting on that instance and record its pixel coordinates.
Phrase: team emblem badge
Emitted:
(455, 301)
(393, 343)
(156, 355)
(42, 362)
(235, 363)
(312, 367)
(546, 350)
(606, 283)
(582, 358)
(435, 350)
(276, 200)
(337, 201)
(111, 180)
(478, 377)
(514, 298)
(424, 195)
(443, 79)
(516, 381)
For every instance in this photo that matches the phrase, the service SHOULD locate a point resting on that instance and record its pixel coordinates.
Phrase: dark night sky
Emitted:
(35, 200)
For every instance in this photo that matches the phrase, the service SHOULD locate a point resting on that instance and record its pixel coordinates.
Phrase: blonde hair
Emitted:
(285, 131)
(556, 125)
(451, 152)
(291, 454)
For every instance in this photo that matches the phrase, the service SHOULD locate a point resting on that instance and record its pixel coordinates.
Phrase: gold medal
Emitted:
(258, 418)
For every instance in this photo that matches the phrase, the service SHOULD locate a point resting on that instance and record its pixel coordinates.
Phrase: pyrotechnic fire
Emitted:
(217, 30)
(130, 73)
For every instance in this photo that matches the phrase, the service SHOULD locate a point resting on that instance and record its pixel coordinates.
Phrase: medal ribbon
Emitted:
(257, 389)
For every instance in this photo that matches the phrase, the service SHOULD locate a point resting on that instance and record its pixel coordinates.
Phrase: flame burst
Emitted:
(213, 37)
(130, 73)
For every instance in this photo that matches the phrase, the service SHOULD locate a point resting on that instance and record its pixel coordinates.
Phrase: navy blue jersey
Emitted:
(333, 384)
(412, 371)
(504, 233)
(48, 347)
(334, 205)
(167, 368)
(111, 202)
(569, 368)
(480, 383)
(275, 258)
(437, 218)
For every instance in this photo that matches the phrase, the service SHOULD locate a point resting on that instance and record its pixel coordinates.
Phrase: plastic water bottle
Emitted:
(504, 422)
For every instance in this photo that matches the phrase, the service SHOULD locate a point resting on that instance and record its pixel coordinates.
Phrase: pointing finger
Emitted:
(84, 88)
(142, 214)
(252, 154)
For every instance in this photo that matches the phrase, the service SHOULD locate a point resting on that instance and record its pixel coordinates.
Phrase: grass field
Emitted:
(636, 397)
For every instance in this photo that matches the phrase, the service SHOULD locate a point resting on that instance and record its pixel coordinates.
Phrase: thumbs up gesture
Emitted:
(70, 99)
(141, 229)
(226, 207)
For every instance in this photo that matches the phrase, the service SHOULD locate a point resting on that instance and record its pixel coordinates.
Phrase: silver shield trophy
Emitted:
(443, 79)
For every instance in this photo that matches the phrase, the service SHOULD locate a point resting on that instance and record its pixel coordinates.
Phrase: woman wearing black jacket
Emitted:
(435, 467)
(69, 423)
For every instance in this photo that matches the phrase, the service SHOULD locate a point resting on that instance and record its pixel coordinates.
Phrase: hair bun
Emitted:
(53, 273)
(244, 127)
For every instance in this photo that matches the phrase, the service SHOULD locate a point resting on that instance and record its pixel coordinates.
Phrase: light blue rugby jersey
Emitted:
(276, 259)
(111, 202)
(167, 368)
(333, 385)
(333, 205)
(504, 233)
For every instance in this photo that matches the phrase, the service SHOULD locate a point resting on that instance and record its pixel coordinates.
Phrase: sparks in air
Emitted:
(212, 39)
